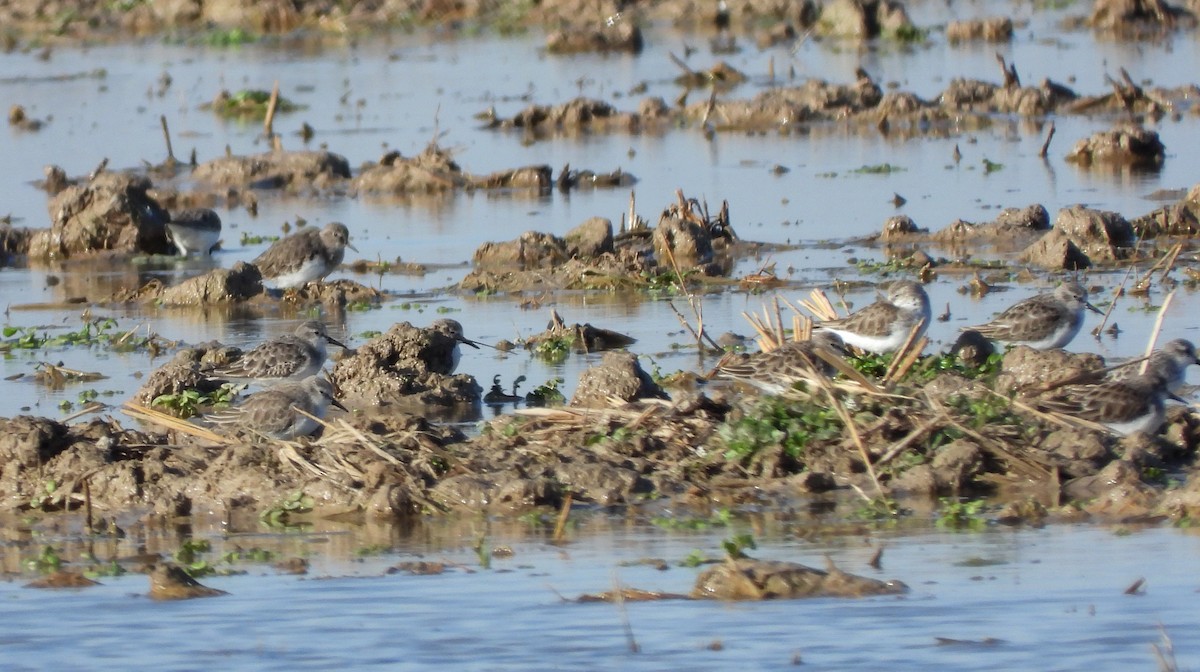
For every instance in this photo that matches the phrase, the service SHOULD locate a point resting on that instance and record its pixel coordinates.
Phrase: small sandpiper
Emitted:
(779, 370)
(454, 330)
(1041, 322)
(296, 356)
(195, 231)
(275, 412)
(304, 256)
(1172, 361)
(1135, 404)
(885, 325)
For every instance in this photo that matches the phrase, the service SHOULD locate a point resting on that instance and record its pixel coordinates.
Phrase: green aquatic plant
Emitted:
(93, 332)
(878, 169)
(736, 546)
(188, 403)
(249, 104)
(280, 514)
(46, 562)
(961, 515)
(556, 349)
(248, 239)
(546, 394)
(779, 421)
(232, 37)
(44, 496)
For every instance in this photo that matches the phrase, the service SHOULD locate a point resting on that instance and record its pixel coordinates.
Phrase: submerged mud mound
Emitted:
(748, 579)
(276, 170)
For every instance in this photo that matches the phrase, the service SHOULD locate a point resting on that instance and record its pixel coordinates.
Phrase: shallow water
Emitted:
(1048, 599)
(398, 92)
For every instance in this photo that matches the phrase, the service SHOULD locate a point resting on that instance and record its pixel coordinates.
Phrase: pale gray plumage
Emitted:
(295, 356)
(885, 325)
(304, 256)
(274, 412)
(1041, 322)
(779, 370)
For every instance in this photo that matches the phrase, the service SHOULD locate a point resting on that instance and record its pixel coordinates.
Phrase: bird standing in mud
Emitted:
(452, 328)
(885, 325)
(279, 412)
(1134, 404)
(295, 356)
(1172, 361)
(304, 256)
(1042, 322)
(777, 371)
(195, 231)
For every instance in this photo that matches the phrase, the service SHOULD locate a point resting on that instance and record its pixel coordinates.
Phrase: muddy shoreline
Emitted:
(948, 428)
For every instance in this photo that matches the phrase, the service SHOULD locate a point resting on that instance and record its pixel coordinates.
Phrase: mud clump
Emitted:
(571, 118)
(1082, 237)
(276, 170)
(1135, 17)
(746, 579)
(1129, 145)
(408, 367)
(618, 376)
(1177, 219)
(863, 20)
(112, 212)
(14, 242)
(622, 36)
(994, 29)
(184, 372)
(220, 285)
(170, 582)
(1024, 369)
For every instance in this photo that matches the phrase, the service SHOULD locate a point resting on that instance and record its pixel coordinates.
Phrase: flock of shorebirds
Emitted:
(296, 393)
(1129, 399)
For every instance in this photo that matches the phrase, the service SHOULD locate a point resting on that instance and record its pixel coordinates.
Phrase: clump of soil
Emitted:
(1128, 145)
(110, 212)
(748, 579)
(276, 170)
(619, 377)
(408, 367)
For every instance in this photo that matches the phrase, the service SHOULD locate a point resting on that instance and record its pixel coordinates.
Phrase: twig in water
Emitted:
(560, 525)
(167, 136)
(1046, 144)
(619, 600)
(269, 120)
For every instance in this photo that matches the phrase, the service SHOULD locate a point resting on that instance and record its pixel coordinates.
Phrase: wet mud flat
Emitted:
(938, 425)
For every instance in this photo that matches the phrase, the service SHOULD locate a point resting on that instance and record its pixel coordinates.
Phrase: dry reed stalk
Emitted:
(780, 333)
(619, 601)
(907, 355)
(899, 446)
(819, 305)
(91, 407)
(269, 120)
(1158, 322)
(848, 421)
(167, 137)
(171, 422)
(1019, 465)
(560, 525)
(1046, 145)
(1170, 259)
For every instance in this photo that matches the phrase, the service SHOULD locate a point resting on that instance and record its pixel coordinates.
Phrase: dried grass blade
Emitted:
(171, 422)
